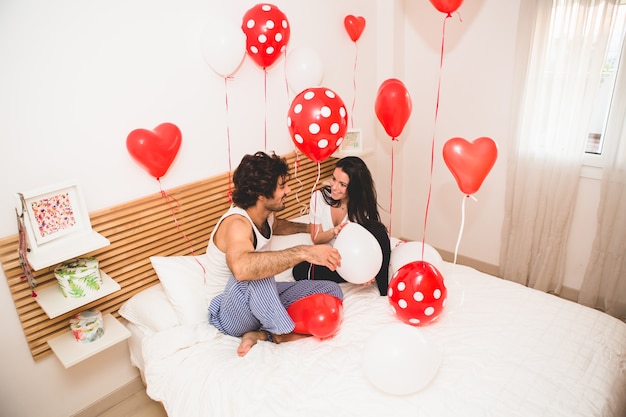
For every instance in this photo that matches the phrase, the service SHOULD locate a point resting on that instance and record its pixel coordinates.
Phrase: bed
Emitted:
(503, 350)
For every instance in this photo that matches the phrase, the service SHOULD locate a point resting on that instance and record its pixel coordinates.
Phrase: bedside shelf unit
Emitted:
(65, 346)
(70, 352)
(52, 301)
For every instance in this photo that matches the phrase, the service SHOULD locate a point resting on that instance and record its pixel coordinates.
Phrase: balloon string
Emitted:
(296, 166)
(393, 140)
(458, 242)
(356, 57)
(174, 209)
(265, 114)
(286, 79)
(317, 230)
(432, 147)
(230, 166)
(317, 180)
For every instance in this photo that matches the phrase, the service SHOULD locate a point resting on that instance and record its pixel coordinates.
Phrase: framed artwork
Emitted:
(352, 143)
(53, 212)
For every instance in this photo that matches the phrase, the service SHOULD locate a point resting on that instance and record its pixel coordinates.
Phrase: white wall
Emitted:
(485, 53)
(76, 77)
(474, 100)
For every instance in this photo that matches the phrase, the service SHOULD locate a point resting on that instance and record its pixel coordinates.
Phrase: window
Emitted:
(605, 96)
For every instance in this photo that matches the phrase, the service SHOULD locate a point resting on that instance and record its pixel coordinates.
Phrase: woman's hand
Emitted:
(338, 228)
(318, 236)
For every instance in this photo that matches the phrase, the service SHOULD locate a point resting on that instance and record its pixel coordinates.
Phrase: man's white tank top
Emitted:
(218, 272)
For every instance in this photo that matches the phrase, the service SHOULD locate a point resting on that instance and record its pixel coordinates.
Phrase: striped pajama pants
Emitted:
(247, 306)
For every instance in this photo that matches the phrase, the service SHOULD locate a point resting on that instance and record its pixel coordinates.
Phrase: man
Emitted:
(252, 304)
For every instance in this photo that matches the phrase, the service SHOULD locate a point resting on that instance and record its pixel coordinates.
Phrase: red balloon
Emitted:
(319, 315)
(267, 33)
(417, 293)
(393, 106)
(447, 6)
(354, 26)
(155, 149)
(470, 162)
(317, 121)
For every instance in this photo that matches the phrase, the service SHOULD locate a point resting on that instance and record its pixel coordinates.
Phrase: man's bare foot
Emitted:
(251, 338)
(248, 340)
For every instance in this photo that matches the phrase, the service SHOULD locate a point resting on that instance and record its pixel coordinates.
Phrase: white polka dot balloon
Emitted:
(267, 33)
(417, 293)
(317, 122)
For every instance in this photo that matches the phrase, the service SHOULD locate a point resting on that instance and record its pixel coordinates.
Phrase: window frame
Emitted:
(593, 163)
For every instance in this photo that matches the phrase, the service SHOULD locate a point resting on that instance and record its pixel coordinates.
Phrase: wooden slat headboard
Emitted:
(140, 229)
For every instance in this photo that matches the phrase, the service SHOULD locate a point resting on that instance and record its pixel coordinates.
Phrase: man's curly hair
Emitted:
(257, 175)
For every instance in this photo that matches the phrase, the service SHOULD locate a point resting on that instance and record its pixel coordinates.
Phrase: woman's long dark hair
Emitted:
(362, 199)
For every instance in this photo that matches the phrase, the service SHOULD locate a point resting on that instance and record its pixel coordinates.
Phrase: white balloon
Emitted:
(223, 46)
(304, 69)
(361, 256)
(408, 252)
(410, 362)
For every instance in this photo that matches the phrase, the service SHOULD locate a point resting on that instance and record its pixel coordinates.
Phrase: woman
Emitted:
(351, 196)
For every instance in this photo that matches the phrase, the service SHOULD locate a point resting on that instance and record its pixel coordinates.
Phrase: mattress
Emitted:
(505, 349)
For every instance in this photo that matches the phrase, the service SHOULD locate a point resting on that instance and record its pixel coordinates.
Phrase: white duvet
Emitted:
(507, 351)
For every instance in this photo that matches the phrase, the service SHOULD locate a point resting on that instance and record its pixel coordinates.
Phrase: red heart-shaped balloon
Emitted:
(155, 149)
(446, 6)
(470, 162)
(354, 26)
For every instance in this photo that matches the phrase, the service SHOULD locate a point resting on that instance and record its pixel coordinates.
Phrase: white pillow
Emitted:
(150, 310)
(280, 242)
(183, 280)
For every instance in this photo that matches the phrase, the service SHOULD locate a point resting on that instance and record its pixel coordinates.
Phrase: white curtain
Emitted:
(604, 284)
(566, 55)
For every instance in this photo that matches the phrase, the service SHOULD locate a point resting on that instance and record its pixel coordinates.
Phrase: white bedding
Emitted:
(507, 351)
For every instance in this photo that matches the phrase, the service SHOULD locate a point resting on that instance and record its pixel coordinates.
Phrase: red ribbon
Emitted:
(432, 149)
(174, 209)
(391, 187)
(356, 57)
(265, 110)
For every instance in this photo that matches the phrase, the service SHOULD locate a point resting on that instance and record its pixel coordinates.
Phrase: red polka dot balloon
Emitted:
(267, 33)
(417, 293)
(317, 121)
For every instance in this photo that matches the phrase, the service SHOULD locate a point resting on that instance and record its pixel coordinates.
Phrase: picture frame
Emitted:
(53, 212)
(352, 142)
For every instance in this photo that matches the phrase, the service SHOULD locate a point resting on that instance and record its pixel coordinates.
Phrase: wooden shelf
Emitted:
(70, 352)
(65, 248)
(52, 301)
(65, 347)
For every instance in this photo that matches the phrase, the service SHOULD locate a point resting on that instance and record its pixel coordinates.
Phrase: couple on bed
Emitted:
(253, 305)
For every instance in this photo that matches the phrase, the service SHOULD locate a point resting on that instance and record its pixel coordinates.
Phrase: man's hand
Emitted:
(324, 255)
